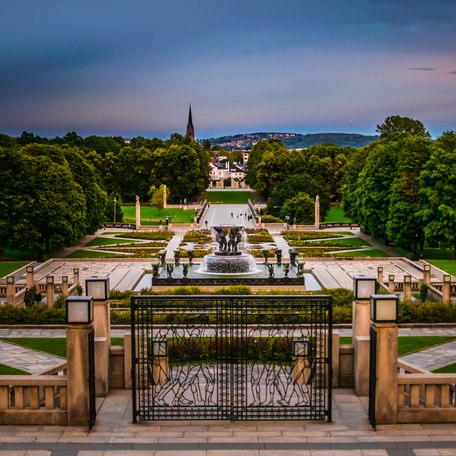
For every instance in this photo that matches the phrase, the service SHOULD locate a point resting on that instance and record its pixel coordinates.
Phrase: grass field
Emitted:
(373, 253)
(449, 369)
(7, 370)
(446, 265)
(228, 197)
(93, 254)
(335, 215)
(7, 267)
(151, 216)
(107, 241)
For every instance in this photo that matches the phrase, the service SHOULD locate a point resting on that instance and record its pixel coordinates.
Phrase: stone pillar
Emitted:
(102, 326)
(391, 284)
(128, 366)
(138, 213)
(386, 373)
(317, 212)
(165, 204)
(65, 286)
(29, 277)
(360, 340)
(76, 276)
(407, 288)
(10, 291)
(380, 274)
(427, 274)
(446, 289)
(78, 393)
(50, 291)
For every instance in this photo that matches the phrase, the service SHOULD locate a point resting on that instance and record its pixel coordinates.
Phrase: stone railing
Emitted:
(424, 397)
(34, 399)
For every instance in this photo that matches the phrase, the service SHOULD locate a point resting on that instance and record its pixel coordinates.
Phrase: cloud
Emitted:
(452, 72)
(422, 69)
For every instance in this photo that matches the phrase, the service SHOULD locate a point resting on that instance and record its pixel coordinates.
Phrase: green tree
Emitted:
(300, 209)
(405, 225)
(399, 124)
(438, 188)
(157, 198)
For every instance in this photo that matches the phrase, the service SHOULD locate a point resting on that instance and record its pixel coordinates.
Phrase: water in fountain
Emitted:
(228, 259)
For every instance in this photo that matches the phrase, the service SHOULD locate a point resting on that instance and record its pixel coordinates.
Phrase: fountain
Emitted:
(228, 259)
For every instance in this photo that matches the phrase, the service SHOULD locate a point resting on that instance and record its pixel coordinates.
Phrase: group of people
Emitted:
(32, 297)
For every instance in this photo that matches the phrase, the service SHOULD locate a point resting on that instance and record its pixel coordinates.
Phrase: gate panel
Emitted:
(231, 357)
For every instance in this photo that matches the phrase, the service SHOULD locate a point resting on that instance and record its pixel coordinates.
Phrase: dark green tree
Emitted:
(399, 124)
(300, 208)
(438, 188)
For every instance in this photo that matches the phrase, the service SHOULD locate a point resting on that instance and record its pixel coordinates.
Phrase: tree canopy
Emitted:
(398, 124)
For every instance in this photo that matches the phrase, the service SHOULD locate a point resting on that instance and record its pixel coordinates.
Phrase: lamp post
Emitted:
(363, 288)
(427, 274)
(446, 289)
(98, 289)
(383, 359)
(80, 361)
(407, 288)
(29, 276)
(115, 203)
(10, 291)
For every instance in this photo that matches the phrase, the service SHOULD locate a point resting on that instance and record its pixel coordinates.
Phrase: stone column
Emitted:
(386, 373)
(128, 362)
(317, 212)
(138, 213)
(65, 286)
(10, 291)
(76, 276)
(29, 277)
(102, 326)
(77, 337)
(391, 284)
(360, 340)
(50, 291)
(380, 274)
(427, 274)
(407, 288)
(165, 204)
(446, 289)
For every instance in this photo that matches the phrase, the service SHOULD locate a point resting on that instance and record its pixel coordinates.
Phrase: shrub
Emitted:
(267, 218)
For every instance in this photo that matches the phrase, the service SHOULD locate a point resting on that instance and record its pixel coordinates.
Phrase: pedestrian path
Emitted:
(31, 361)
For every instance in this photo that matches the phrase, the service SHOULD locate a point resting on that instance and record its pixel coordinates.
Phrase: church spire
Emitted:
(190, 130)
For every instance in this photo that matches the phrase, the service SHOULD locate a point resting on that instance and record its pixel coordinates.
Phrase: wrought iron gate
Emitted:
(372, 374)
(231, 357)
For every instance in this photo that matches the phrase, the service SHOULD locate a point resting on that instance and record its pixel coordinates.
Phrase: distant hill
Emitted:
(293, 140)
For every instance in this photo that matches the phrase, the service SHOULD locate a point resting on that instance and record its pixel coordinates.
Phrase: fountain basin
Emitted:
(238, 263)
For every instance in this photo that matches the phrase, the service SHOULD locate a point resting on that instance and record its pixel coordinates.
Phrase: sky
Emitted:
(130, 68)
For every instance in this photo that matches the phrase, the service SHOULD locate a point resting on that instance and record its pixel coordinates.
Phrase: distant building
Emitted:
(190, 129)
(223, 174)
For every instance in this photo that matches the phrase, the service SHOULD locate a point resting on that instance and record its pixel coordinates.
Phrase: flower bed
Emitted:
(150, 235)
(304, 235)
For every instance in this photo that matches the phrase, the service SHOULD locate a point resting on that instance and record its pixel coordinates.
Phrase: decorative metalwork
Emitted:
(231, 357)
(372, 375)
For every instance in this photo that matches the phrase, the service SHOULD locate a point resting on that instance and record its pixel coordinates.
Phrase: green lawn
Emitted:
(335, 215)
(93, 254)
(411, 344)
(151, 216)
(438, 254)
(373, 253)
(228, 197)
(107, 241)
(449, 369)
(446, 265)
(7, 267)
(18, 254)
(7, 370)
(348, 241)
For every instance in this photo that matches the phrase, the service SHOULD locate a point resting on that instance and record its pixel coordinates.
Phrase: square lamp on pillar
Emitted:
(79, 310)
(301, 347)
(98, 288)
(364, 287)
(427, 267)
(383, 308)
(29, 269)
(10, 279)
(407, 279)
(50, 280)
(446, 278)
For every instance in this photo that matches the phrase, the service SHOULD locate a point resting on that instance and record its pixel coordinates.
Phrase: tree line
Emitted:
(400, 188)
(54, 191)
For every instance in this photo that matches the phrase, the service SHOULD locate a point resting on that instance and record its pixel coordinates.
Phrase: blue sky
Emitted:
(132, 67)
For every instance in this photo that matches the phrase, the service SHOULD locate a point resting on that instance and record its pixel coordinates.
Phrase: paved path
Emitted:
(114, 434)
(228, 214)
